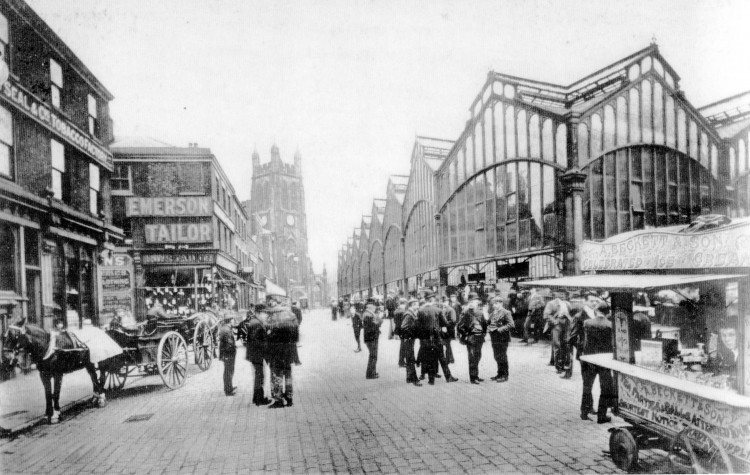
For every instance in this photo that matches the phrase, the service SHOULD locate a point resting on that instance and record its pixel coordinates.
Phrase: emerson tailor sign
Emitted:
(169, 206)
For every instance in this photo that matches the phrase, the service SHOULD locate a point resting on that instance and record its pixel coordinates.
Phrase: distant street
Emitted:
(340, 421)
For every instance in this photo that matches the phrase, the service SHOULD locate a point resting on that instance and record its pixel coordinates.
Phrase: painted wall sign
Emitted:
(725, 247)
(116, 280)
(37, 109)
(180, 258)
(169, 206)
(675, 409)
(178, 232)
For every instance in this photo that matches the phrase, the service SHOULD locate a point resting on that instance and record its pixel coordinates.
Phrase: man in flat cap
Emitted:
(409, 332)
(472, 327)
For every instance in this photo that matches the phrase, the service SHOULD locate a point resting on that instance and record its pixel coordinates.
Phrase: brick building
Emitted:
(54, 174)
(186, 229)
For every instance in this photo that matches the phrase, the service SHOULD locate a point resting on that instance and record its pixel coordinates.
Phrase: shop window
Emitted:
(9, 251)
(92, 116)
(691, 333)
(56, 83)
(610, 195)
(122, 178)
(6, 143)
(59, 179)
(94, 188)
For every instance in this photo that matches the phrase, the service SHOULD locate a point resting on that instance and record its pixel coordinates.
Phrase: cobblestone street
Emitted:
(340, 421)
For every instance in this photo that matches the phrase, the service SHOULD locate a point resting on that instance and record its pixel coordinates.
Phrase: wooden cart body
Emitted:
(678, 415)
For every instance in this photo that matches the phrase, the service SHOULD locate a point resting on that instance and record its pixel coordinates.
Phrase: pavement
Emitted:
(340, 422)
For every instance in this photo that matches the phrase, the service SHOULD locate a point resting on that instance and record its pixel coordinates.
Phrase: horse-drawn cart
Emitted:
(682, 380)
(161, 348)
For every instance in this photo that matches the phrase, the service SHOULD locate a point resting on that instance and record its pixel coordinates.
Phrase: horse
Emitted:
(35, 341)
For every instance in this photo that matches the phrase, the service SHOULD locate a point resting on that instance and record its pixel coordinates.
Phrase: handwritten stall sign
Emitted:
(115, 286)
(728, 246)
(674, 409)
(623, 345)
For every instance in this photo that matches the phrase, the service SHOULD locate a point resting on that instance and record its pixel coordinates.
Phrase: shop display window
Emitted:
(9, 251)
(690, 333)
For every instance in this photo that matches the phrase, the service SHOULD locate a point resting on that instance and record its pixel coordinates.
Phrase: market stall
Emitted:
(683, 385)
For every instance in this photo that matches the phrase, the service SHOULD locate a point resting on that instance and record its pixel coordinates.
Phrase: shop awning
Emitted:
(621, 282)
(273, 289)
(231, 277)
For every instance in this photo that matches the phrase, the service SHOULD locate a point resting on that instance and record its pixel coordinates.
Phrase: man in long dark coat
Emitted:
(227, 354)
(398, 319)
(431, 323)
(282, 333)
(499, 328)
(371, 321)
(472, 327)
(597, 339)
(409, 332)
(255, 352)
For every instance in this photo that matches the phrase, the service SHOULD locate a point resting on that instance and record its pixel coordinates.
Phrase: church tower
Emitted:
(277, 206)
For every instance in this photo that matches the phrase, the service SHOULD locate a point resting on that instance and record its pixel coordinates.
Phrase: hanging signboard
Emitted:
(728, 246)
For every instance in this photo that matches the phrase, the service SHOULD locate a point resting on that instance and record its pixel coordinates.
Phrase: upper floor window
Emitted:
(58, 169)
(56, 82)
(93, 188)
(93, 122)
(6, 143)
(4, 39)
(122, 178)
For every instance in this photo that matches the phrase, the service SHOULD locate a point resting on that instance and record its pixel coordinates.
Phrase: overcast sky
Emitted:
(350, 83)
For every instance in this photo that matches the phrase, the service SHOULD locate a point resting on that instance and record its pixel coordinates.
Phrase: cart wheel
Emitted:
(623, 449)
(172, 360)
(115, 379)
(695, 451)
(203, 345)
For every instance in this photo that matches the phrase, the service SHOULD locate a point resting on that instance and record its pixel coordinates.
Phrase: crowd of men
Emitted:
(270, 333)
(575, 324)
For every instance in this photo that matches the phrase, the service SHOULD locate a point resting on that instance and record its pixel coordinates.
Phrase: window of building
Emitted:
(93, 123)
(58, 170)
(643, 187)
(9, 250)
(6, 143)
(122, 178)
(56, 83)
(4, 39)
(93, 188)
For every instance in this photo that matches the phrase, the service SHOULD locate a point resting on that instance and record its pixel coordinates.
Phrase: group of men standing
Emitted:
(270, 334)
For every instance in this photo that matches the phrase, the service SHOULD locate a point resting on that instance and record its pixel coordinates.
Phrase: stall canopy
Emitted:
(627, 283)
(273, 289)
